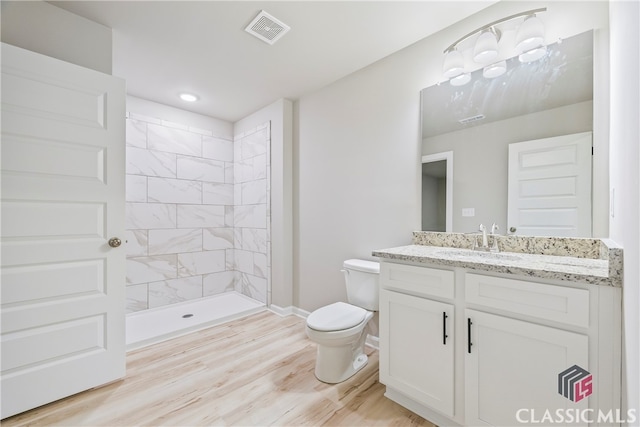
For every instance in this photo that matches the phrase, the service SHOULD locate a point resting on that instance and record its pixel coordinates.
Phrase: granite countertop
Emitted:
(605, 270)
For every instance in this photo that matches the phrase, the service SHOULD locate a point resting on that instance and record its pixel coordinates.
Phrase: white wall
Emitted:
(49, 30)
(625, 179)
(357, 150)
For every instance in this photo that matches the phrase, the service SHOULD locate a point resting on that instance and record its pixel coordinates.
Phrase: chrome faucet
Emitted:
(485, 242)
(485, 239)
(494, 245)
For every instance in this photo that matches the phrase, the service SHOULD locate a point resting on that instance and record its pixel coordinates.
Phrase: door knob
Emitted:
(114, 242)
(512, 229)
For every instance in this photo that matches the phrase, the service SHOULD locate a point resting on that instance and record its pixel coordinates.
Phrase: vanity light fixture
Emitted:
(488, 49)
(494, 70)
(188, 97)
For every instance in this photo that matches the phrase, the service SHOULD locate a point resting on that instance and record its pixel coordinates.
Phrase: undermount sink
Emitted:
(466, 253)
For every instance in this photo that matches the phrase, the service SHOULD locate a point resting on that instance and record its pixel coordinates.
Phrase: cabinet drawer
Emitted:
(548, 302)
(417, 280)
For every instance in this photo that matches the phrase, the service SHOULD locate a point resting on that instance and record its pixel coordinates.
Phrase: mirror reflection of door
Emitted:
(550, 186)
(437, 170)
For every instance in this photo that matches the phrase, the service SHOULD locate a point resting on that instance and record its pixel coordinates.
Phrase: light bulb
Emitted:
(188, 97)
(494, 70)
(533, 54)
(460, 80)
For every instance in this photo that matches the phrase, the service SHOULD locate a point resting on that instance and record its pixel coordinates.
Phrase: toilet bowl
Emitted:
(340, 329)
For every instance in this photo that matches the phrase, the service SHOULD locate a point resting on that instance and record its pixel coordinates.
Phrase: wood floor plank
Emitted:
(255, 371)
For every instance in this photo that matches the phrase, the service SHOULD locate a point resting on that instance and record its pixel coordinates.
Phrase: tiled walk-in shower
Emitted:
(197, 214)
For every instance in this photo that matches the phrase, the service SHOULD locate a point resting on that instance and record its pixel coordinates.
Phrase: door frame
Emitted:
(448, 157)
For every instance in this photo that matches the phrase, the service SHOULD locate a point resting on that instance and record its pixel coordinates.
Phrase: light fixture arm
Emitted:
(490, 25)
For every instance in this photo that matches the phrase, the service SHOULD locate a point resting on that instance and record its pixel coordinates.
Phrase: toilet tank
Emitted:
(361, 279)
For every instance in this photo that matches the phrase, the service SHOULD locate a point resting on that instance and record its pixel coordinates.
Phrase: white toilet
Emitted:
(339, 329)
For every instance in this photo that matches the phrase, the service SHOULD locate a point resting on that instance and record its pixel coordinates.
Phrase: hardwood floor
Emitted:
(255, 371)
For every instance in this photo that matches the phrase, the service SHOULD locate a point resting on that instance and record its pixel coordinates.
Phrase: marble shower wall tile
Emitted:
(259, 167)
(260, 265)
(217, 238)
(151, 268)
(150, 215)
(135, 242)
(201, 216)
(198, 169)
(243, 171)
(166, 190)
(254, 144)
(217, 194)
(150, 163)
(228, 173)
(254, 239)
(174, 241)
(174, 291)
(162, 138)
(252, 216)
(254, 192)
(254, 287)
(217, 148)
(243, 261)
(191, 264)
(218, 283)
(137, 298)
(136, 188)
(136, 134)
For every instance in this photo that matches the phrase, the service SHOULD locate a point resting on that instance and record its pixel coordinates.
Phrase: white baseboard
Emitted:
(280, 311)
(373, 342)
(289, 311)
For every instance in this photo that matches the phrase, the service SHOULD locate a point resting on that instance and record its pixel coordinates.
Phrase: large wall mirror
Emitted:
(545, 101)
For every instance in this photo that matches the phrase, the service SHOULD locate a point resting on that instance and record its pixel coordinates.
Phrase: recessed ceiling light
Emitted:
(188, 97)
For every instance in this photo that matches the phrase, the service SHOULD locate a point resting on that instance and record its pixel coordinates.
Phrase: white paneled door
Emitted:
(62, 201)
(550, 187)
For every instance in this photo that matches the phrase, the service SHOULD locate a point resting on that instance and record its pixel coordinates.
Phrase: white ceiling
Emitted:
(163, 48)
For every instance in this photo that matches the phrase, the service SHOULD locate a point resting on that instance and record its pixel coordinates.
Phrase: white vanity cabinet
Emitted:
(508, 341)
(421, 362)
(513, 366)
(417, 335)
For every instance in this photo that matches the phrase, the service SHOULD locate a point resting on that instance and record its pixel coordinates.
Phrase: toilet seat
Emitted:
(336, 317)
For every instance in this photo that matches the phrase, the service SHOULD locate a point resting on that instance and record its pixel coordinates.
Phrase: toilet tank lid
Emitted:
(362, 265)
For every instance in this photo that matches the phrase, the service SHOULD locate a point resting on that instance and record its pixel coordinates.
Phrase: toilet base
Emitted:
(337, 364)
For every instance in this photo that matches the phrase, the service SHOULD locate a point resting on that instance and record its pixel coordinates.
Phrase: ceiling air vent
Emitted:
(267, 28)
(471, 119)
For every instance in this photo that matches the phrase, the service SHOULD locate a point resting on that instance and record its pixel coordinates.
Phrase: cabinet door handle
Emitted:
(444, 328)
(469, 343)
